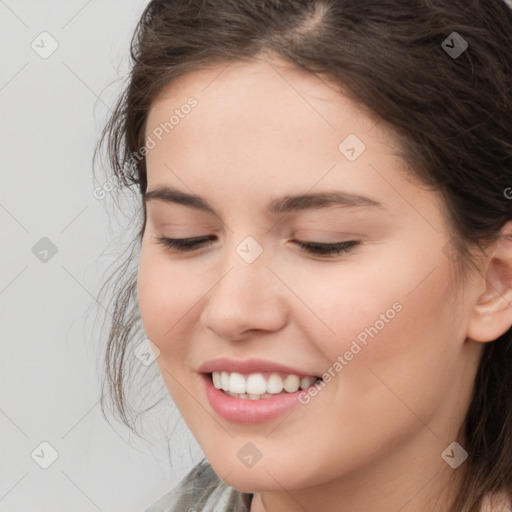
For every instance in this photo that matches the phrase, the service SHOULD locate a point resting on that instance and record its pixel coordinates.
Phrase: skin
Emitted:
(372, 438)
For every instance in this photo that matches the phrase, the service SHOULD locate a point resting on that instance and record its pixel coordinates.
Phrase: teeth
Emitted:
(306, 382)
(217, 380)
(249, 396)
(237, 383)
(291, 383)
(255, 386)
(274, 384)
(224, 381)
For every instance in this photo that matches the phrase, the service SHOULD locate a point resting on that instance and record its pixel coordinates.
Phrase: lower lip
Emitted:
(240, 410)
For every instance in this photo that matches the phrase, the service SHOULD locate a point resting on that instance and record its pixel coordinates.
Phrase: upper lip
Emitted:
(249, 366)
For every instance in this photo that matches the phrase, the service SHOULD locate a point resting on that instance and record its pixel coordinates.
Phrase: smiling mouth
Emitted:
(260, 385)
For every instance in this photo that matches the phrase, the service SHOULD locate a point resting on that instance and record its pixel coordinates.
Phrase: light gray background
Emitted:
(51, 113)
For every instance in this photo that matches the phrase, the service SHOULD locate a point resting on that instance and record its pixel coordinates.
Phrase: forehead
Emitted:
(261, 103)
(264, 76)
(266, 128)
(264, 92)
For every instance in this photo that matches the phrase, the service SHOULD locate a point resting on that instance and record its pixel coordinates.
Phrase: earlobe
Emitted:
(492, 312)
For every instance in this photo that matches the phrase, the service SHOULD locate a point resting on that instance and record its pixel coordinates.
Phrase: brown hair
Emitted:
(452, 116)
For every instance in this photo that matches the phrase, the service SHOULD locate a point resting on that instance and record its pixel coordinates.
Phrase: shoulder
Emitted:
(201, 490)
(497, 502)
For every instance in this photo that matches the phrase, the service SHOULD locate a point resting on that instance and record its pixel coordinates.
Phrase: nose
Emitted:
(247, 297)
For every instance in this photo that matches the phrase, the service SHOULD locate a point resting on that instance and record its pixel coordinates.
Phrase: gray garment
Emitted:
(202, 491)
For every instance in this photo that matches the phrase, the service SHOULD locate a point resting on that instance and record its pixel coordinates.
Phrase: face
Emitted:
(374, 321)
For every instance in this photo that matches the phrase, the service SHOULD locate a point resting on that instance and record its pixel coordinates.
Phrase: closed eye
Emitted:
(183, 244)
(325, 249)
(192, 244)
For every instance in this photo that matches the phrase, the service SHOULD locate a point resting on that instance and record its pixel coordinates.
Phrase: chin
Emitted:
(260, 478)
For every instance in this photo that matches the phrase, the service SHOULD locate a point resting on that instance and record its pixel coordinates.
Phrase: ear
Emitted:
(492, 313)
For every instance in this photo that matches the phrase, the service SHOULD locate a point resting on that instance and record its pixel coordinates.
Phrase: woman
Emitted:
(325, 268)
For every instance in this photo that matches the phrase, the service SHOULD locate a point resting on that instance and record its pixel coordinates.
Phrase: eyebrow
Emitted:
(279, 205)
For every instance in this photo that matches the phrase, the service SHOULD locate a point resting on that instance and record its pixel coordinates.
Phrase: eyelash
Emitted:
(191, 244)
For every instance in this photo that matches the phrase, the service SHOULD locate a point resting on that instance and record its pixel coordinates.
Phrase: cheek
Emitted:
(166, 296)
(396, 324)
